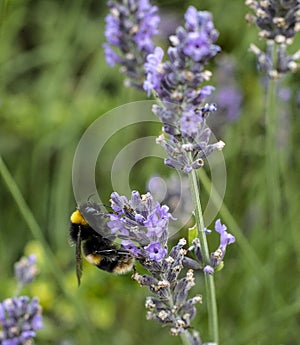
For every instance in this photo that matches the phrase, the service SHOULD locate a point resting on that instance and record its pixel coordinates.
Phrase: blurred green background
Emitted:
(54, 83)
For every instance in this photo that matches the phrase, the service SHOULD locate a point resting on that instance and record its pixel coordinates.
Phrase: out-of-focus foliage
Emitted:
(53, 83)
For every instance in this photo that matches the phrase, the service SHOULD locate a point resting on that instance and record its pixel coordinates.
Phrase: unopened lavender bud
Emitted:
(198, 164)
(188, 147)
(149, 304)
(273, 74)
(182, 242)
(261, 13)
(255, 49)
(190, 263)
(180, 323)
(208, 270)
(174, 40)
(171, 130)
(144, 280)
(293, 66)
(196, 299)
(197, 250)
(174, 331)
(220, 145)
(216, 257)
(280, 39)
(187, 169)
(206, 75)
(162, 284)
(251, 3)
(209, 108)
(172, 163)
(163, 315)
(160, 139)
(279, 21)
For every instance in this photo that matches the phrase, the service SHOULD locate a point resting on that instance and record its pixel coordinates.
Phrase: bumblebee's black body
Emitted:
(97, 250)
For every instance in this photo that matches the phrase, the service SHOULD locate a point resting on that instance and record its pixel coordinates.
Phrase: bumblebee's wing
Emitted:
(139, 237)
(96, 219)
(78, 256)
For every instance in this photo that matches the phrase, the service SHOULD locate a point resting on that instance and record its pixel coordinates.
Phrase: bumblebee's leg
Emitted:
(78, 256)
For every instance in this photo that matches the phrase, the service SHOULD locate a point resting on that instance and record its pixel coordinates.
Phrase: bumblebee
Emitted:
(97, 248)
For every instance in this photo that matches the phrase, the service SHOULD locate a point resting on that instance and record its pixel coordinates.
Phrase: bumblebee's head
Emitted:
(77, 218)
(78, 228)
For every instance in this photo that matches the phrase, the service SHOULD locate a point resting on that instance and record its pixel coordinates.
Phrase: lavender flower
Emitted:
(142, 225)
(279, 21)
(130, 27)
(170, 305)
(20, 317)
(176, 83)
(218, 255)
(26, 270)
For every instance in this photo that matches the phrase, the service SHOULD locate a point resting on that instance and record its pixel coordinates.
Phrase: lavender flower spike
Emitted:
(176, 82)
(26, 269)
(130, 27)
(20, 317)
(142, 225)
(170, 304)
(278, 21)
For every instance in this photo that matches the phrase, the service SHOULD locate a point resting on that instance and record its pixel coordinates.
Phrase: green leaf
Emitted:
(192, 234)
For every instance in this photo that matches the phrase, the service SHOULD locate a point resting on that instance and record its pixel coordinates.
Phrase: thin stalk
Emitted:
(37, 233)
(209, 279)
(272, 161)
(272, 169)
(32, 224)
(184, 339)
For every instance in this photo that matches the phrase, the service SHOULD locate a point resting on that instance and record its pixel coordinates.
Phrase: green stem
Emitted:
(272, 160)
(52, 263)
(184, 339)
(209, 279)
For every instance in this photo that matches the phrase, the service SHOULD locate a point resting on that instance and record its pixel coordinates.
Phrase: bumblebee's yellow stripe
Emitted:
(77, 218)
(94, 259)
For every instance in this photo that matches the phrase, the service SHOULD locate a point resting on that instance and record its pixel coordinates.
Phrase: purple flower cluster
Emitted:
(178, 79)
(278, 21)
(170, 305)
(26, 269)
(142, 225)
(218, 255)
(176, 83)
(20, 317)
(130, 27)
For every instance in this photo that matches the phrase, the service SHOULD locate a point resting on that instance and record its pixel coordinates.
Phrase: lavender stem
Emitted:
(209, 279)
